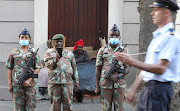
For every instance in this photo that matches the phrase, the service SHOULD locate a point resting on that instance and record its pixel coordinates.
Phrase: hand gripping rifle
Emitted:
(114, 67)
(27, 71)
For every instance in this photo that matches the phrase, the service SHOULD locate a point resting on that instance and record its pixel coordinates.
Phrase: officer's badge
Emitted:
(171, 31)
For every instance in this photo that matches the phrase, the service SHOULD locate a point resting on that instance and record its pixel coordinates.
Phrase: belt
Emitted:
(152, 82)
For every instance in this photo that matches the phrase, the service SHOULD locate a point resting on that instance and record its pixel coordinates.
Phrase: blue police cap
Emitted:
(24, 32)
(115, 28)
(166, 4)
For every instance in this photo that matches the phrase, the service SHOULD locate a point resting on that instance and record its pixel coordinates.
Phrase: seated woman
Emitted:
(80, 54)
(86, 71)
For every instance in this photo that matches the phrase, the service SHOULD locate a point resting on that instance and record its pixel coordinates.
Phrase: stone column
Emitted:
(115, 14)
(40, 25)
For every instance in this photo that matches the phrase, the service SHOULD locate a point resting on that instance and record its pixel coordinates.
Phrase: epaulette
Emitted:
(106, 46)
(17, 48)
(16, 51)
(171, 31)
(30, 48)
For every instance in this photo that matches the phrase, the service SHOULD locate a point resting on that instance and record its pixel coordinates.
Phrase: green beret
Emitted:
(58, 36)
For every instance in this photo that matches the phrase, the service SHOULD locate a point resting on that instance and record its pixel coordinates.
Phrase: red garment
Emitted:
(78, 43)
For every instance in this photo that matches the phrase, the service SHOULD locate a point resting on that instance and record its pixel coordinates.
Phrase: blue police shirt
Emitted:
(164, 46)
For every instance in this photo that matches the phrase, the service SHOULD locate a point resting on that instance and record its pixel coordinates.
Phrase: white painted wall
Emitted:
(9, 31)
(131, 23)
(131, 33)
(40, 25)
(131, 14)
(115, 14)
(16, 11)
(15, 15)
(131, 26)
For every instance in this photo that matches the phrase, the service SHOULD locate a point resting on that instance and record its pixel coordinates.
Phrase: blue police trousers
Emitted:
(156, 96)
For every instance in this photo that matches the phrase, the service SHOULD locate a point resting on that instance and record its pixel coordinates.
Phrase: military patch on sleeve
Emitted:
(17, 52)
(171, 31)
(106, 45)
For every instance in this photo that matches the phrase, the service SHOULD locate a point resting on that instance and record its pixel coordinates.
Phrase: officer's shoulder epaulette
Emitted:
(171, 30)
(106, 45)
(17, 48)
(30, 48)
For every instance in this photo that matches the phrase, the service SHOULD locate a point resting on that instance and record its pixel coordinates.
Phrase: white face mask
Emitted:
(24, 42)
(114, 41)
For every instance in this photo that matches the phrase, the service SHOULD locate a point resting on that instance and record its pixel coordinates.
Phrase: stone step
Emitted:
(89, 50)
(92, 53)
(86, 48)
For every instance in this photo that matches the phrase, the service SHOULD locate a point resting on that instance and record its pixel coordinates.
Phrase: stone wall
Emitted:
(15, 16)
(131, 33)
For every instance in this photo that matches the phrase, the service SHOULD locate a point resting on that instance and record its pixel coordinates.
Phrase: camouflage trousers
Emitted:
(109, 96)
(24, 98)
(61, 93)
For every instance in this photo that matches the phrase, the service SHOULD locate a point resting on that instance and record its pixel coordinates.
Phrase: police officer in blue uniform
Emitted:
(161, 66)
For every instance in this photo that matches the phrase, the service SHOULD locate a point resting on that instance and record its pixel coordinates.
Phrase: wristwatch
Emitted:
(119, 76)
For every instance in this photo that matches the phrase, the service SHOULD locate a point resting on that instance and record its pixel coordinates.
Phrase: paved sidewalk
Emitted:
(44, 105)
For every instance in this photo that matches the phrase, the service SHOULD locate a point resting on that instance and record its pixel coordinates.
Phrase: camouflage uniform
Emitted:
(25, 97)
(110, 91)
(60, 85)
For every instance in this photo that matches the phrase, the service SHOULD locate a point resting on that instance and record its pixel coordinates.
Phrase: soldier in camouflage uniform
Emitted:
(112, 89)
(62, 71)
(25, 94)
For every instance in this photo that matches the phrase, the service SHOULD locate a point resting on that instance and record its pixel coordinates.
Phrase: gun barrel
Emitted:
(36, 51)
(124, 47)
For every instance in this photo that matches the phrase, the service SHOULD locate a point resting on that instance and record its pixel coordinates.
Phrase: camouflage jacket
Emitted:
(104, 59)
(65, 70)
(17, 61)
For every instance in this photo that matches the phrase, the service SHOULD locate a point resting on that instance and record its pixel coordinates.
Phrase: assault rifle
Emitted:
(114, 67)
(27, 71)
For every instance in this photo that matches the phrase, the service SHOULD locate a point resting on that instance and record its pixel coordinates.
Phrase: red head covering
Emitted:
(78, 43)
